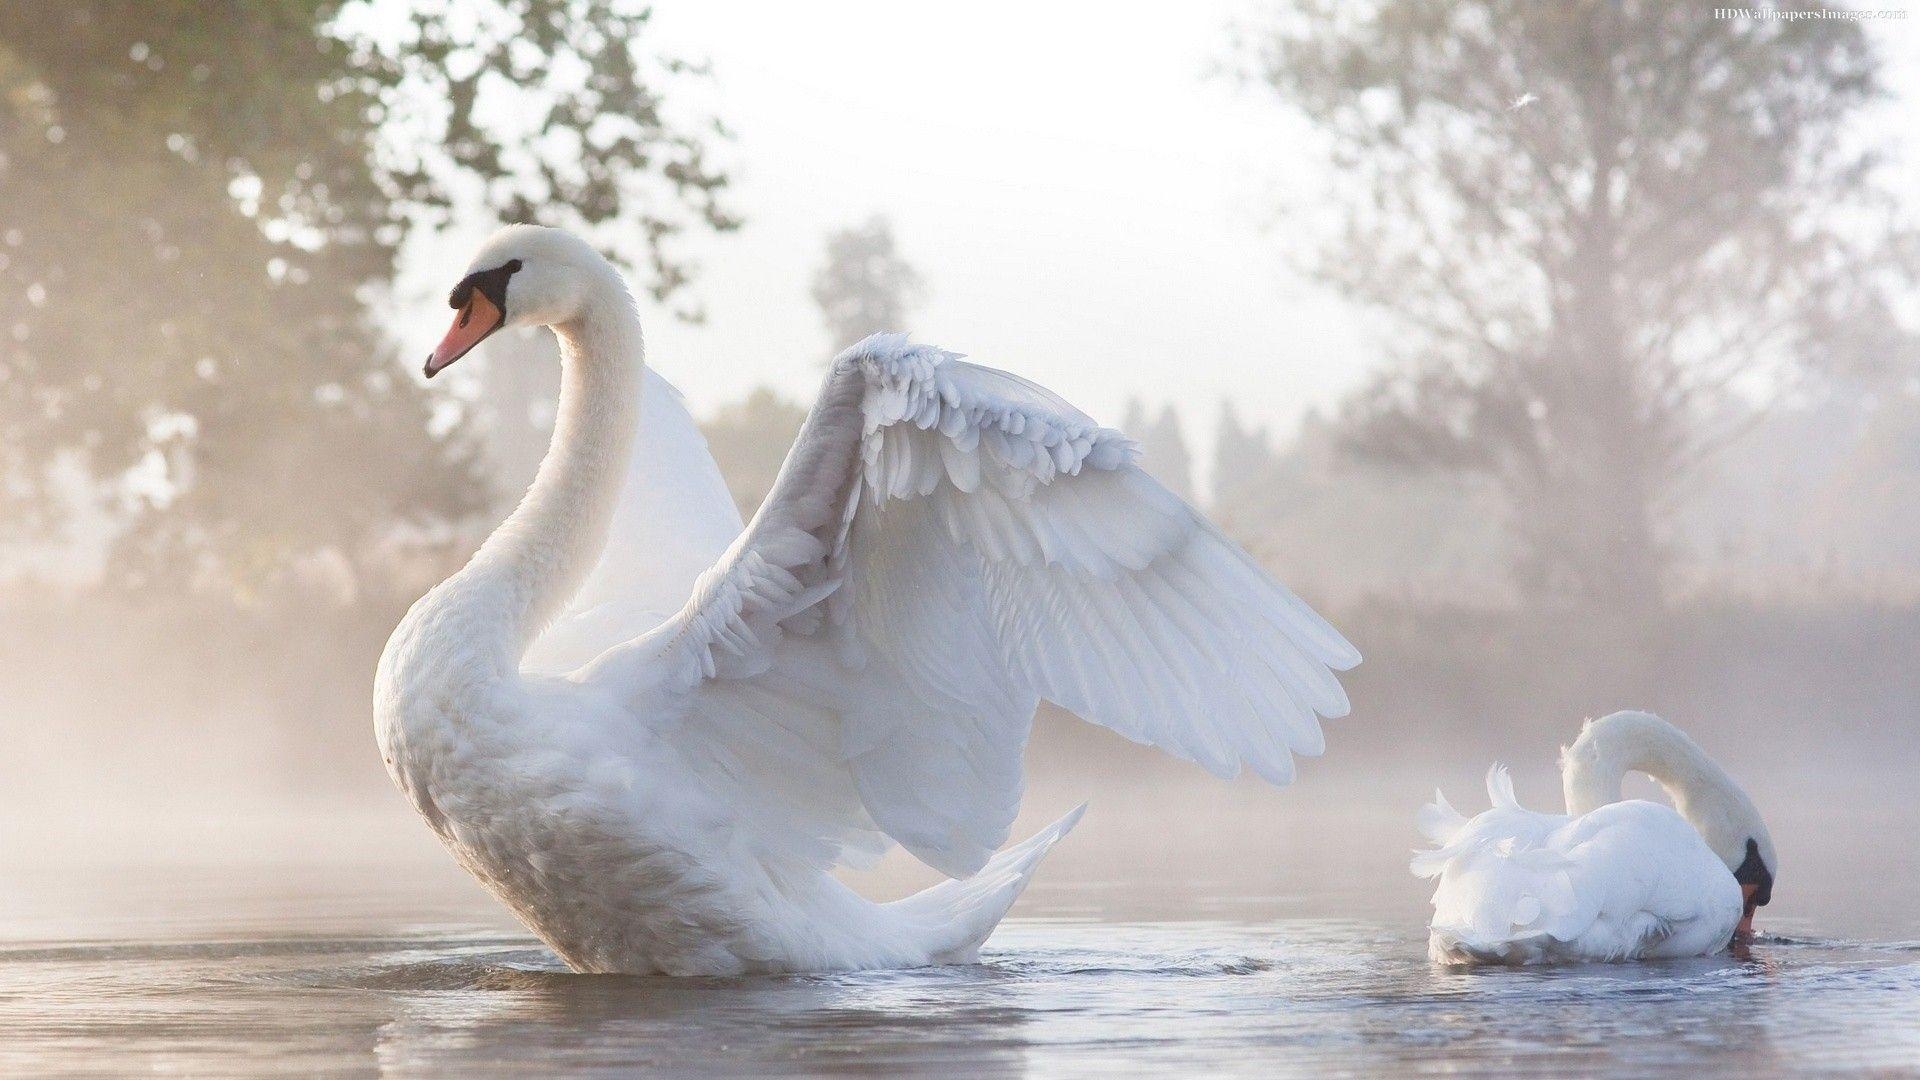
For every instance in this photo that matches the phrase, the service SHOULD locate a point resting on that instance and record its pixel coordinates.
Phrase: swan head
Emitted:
(524, 275)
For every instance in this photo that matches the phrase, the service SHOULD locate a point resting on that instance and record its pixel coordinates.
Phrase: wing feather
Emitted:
(945, 546)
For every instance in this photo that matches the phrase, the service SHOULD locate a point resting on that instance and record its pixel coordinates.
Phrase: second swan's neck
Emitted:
(1612, 746)
(527, 571)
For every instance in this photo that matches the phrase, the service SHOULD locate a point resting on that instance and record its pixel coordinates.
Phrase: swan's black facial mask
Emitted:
(481, 299)
(1756, 886)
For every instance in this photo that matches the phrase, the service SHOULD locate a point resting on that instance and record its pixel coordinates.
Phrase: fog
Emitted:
(225, 480)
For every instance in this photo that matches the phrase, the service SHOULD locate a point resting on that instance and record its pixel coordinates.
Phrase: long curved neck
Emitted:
(1612, 746)
(527, 571)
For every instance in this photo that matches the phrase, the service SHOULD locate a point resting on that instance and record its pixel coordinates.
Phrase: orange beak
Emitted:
(477, 318)
(1745, 929)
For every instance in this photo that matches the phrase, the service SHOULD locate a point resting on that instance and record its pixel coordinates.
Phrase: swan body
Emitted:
(1610, 879)
(653, 733)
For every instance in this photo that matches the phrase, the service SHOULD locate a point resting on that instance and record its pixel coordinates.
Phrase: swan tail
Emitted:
(959, 915)
(1438, 821)
(1506, 892)
(1500, 788)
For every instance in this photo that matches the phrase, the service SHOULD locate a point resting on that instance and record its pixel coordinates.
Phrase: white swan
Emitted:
(665, 779)
(1607, 880)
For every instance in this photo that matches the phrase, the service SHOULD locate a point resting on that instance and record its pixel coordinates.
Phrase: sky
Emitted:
(1091, 203)
(1095, 204)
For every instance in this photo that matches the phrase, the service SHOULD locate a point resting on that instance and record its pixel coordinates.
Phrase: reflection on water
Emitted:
(1270, 992)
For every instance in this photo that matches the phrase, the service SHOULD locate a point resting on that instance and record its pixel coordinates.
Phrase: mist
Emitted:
(190, 626)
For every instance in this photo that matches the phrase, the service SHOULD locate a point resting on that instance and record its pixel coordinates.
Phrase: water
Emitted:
(328, 971)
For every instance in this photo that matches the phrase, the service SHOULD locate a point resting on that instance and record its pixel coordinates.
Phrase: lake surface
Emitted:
(335, 972)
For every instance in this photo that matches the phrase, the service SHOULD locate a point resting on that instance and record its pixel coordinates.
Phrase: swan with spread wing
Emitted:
(653, 733)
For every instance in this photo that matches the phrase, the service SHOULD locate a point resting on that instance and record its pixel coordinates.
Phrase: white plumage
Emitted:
(1610, 880)
(945, 546)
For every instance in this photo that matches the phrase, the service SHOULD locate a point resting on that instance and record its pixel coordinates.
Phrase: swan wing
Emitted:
(1653, 884)
(945, 546)
(673, 520)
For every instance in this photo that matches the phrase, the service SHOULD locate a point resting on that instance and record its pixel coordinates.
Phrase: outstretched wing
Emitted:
(945, 546)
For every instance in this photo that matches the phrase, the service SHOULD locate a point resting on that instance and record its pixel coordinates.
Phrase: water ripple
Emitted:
(1289, 997)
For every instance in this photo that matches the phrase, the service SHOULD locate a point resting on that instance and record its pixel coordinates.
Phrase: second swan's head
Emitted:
(524, 275)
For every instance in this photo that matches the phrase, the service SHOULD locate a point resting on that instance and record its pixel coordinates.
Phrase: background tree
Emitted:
(750, 439)
(1243, 463)
(1604, 230)
(197, 205)
(866, 285)
(1163, 449)
(519, 383)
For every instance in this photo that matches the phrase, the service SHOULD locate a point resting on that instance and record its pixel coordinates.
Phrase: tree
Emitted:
(199, 204)
(1603, 230)
(1243, 462)
(749, 440)
(866, 285)
(519, 375)
(1163, 449)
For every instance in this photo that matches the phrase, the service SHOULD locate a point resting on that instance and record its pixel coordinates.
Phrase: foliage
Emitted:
(1242, 460)
(866, 285)
(200, 203)
(1345, 529)
(1163, 448)
(1604, 230)
(749, 440)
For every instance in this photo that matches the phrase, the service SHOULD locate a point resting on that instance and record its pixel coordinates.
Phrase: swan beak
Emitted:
(478, 317)
(1744, 931)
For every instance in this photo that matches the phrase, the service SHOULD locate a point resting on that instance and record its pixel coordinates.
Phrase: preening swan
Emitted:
(1607, 880)
(653, 734)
